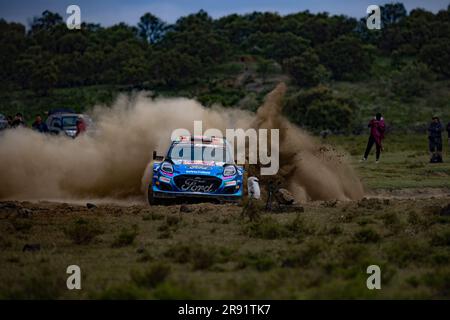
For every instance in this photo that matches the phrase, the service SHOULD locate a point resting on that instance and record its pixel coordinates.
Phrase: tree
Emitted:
(151, 28)
(47, 21)
(172, 68)
(278, 46)
(318, 109)
(392, 13)
(306, 69)
(346, 57)
(263, 68)
(411, 81)
(44, 77)
(437, 56)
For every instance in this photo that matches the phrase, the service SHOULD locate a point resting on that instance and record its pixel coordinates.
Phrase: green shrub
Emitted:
(318, 109)
(441, 239)
(125, 237)
(151, 277)
(258, 261)
(303, 256)
(200, 256)
(411, 81)
(266, 228)
(83, 231)
(366, 235)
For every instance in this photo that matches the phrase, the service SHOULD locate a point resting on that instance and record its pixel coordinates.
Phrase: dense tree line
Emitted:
(311, 47)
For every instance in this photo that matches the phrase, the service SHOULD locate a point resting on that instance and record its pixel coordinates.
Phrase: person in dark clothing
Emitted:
(39, 125)
(18, 121)
(435, 140)
(377, 128)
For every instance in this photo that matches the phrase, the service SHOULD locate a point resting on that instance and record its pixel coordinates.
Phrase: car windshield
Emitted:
(199, 152)
(70, 121)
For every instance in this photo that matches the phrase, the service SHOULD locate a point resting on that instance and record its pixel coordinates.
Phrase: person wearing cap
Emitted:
(377, 128)
(435, 139)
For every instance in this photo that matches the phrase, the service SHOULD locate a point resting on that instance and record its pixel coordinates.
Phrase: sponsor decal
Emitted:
(197, 185)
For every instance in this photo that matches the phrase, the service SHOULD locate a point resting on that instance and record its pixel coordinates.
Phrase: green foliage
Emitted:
(258, 261)
(366, 235)
(151, 28)
(347, 58)
(306, 69)
(318, 109)
(151, 276)
(411, 81)
(200, 256)
(437, 56)
(82, 231)
(125, 237)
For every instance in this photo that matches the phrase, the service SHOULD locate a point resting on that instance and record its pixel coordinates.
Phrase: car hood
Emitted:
(198, 167)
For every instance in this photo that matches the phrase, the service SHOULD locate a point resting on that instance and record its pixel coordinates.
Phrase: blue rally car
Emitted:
(196, 166)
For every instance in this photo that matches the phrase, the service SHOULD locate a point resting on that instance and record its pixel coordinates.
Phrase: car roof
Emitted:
(64, 115)
(60, 110)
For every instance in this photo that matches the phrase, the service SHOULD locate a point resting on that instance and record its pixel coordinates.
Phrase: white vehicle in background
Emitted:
(64, 121)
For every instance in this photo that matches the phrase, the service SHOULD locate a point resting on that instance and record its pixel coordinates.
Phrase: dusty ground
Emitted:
(126, 249)
(212, 251)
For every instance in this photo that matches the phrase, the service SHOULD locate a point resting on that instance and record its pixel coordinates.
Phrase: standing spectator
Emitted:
(377, 128)
(435, 140)
(81, 126)
(39, 125)
(18, 121)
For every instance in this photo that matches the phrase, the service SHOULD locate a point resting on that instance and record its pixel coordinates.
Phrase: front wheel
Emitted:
(151, 199)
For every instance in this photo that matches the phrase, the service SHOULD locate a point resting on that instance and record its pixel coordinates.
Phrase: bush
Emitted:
(441, 239)
(151, 277)
(304, 256)
(125, 237)
(258, 261)
(366, 235)
(411, 81)
(266, 228)
(83, 231)
(306, 69)
(318, 109)
(201, 257)
(346, 57)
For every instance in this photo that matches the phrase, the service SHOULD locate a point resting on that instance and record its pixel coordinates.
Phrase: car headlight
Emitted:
(229, 170)
(167, 167)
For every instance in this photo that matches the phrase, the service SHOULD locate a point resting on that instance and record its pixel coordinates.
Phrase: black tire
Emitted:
(151, 199)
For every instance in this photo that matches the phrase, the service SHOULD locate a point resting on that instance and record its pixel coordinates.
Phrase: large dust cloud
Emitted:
(110, 164)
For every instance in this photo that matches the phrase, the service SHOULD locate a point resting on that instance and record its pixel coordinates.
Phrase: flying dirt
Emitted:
(111, 163)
